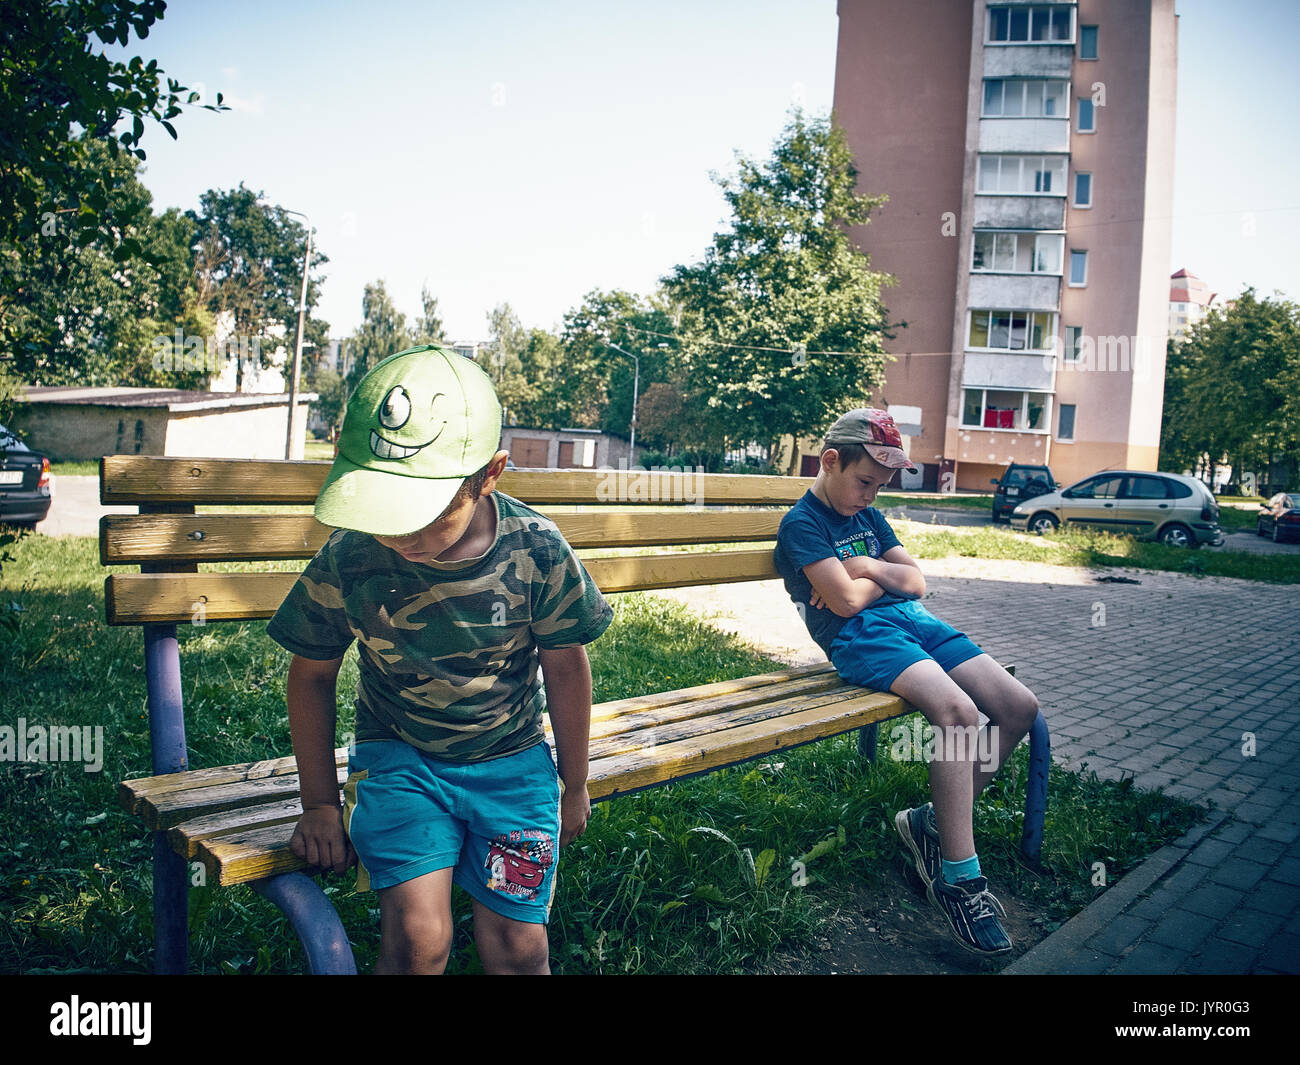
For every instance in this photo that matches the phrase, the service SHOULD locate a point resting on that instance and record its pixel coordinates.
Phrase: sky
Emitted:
(529, 153)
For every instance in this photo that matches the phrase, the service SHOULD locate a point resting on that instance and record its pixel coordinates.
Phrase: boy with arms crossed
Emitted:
(456, 593)
(857, 589)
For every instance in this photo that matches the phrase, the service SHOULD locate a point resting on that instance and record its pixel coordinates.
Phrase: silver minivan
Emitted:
(1172, 508)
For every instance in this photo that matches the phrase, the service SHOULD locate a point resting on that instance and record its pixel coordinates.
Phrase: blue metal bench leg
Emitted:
(1040, 764)
(316, 921)
(171, 881)
(867, 742)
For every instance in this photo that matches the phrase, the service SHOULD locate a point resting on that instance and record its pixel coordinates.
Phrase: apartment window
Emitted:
(988, 408)
(1024, 98)
(1078, 268)
(1018, 253)
(1025, 24)
(1087, 42)
(1087, 115)
(1073, 338)
(1022, 174)
(1082, 190)
(1065, 425)
(1011, 330)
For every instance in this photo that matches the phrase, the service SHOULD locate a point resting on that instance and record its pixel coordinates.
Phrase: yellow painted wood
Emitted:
(133, 539)
(150, 479)
(686, 757)
(170, 808)
(680, 569)
(196, 598)
(186, 837)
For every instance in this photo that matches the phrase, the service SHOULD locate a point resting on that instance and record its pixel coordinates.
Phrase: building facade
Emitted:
(1190, 300)
(1027, 152)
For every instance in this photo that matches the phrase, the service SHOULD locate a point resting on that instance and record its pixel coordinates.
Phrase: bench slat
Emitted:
(128, 539)
(144, 598)
(126, 479)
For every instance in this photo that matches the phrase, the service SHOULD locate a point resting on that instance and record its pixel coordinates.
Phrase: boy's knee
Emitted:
(1023, 709)
(513, 946)
(414, 945)
(954, 711)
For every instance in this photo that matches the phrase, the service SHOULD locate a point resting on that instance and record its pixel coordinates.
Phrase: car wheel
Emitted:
(1259, 528)
(1177, 536)
(1043, 522)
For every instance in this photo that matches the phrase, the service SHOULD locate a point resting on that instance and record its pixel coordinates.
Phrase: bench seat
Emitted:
(237, 820)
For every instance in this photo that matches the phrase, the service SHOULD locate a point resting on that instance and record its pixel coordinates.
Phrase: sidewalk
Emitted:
(1191, 684)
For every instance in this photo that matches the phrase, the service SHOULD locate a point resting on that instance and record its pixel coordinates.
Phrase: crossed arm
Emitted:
(846, 586)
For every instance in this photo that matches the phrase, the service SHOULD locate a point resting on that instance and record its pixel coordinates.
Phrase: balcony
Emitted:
(1032, 292)
(1024, 134)
(1017, 373)
(995, 211)
(1028, 60)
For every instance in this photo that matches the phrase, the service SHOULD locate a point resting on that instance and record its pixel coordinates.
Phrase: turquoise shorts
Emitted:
(496, 823)
(875, 645)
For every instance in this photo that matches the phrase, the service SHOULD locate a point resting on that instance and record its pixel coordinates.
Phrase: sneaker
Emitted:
(972, 911)
(920, 835)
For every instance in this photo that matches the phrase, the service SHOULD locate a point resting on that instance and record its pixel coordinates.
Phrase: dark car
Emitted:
(1018, 483)
(24, 482)
(1280, 517)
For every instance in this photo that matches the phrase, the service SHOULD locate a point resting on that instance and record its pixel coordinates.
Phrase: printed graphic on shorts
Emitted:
(860, 543)
(517, 863)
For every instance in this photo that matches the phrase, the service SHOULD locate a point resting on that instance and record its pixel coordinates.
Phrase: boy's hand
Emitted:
(319, 839)
(575, 808)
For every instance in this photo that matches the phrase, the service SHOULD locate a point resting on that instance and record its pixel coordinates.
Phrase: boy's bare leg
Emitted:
(942, 702)
(1009, 706)
(415, 925)
(507, 947)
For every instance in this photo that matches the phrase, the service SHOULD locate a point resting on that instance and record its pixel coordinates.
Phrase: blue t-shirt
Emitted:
(812, 531)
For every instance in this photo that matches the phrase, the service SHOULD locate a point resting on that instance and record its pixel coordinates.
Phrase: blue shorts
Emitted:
(877, 644)
(496, 823)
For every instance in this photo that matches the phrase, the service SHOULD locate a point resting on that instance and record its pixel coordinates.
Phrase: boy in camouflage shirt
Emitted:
(455, 593)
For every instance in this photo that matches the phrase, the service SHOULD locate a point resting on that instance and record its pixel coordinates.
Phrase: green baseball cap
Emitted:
(417, 425)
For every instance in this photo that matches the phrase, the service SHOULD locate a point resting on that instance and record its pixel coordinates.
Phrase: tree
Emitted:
(60, 98)
(597, 386)
(250, 258)
(83, 315)
(428, 327)
(1230, 392)
(782, 322)
(382, 332)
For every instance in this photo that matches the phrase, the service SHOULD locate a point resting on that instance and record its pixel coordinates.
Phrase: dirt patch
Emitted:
(892, 928)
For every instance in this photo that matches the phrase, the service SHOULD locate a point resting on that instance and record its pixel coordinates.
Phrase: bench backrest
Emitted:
(595, 509)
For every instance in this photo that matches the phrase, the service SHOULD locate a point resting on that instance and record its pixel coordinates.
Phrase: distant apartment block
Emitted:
(1027, 151)
(1190, 299)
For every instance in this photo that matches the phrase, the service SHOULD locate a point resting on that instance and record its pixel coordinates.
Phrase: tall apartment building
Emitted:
(1189, 301)
(1027, 152)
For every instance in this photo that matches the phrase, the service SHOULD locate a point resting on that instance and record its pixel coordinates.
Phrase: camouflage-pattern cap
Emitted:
(875, 430)
(417, 425)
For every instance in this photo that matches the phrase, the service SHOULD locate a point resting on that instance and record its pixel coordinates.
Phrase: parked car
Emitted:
(1169, 507)
(1280, 517)
(1018, 483)
(25, 483)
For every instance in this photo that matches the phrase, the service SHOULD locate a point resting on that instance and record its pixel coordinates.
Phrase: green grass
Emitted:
(695, 877)
(937, 502)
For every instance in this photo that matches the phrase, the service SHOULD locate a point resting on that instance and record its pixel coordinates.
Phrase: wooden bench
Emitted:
(237, 820)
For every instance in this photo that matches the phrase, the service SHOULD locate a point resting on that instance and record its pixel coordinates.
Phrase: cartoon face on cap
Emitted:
(423, 413)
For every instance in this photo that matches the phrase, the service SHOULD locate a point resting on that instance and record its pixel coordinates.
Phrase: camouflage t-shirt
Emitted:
(447, 649)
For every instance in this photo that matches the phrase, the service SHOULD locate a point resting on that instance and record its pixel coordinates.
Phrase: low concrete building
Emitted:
(69, 422)
(565, 449)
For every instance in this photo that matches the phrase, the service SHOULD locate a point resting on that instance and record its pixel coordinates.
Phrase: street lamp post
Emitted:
(636, 382)
(297, 347)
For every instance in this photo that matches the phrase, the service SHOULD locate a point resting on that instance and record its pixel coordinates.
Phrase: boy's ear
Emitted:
(494, 471)
(830, 459)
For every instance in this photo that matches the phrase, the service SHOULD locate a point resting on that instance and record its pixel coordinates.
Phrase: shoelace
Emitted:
(984, 904)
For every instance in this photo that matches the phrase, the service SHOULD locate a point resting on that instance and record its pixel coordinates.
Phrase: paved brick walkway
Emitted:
(1190, 684)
